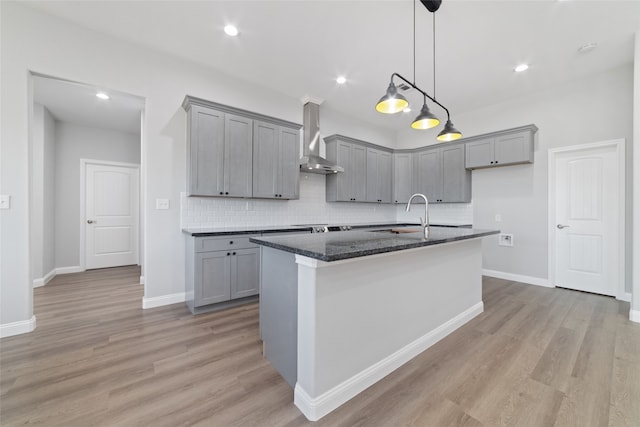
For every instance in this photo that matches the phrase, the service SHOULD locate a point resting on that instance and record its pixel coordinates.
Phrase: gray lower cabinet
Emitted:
(402, 177)
(221, 271)
(350, 185)
(503, 148)
(276, 173)
(378, 178)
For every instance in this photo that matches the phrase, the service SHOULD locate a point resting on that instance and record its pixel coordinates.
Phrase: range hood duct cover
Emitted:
(311, 161)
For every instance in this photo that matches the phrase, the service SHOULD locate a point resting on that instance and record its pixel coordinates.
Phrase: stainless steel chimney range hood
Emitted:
(311, 161)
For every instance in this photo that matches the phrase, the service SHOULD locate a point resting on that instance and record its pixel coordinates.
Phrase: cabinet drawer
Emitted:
(207, 244)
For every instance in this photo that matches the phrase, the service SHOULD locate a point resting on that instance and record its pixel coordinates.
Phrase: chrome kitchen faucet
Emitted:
(425, 222)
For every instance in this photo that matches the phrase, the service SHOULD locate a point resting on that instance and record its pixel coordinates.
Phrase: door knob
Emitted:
(90, 221)
(561, 226)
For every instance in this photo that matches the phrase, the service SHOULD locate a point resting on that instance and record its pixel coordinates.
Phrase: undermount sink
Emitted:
(399, 230)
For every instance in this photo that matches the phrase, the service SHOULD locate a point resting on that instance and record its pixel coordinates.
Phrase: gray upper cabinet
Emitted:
(456, 180)
(427, 174)
(402, 177)
(275, 161)
(238, 161)
(205, 142)
(222, 156)
(440, 174)
(219, 149)
(503, 148)
(378, 179)
(350, 185)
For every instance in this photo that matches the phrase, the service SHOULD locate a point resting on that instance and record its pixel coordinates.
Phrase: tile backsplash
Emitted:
(311, 208)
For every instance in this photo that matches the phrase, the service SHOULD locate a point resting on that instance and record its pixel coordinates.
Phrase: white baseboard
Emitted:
(17, 328)
(68, 270)
(44, 280)
(626, 296)
(163, 300)
(530, 280)
(634, 316)
(316, 408)
(142, 280)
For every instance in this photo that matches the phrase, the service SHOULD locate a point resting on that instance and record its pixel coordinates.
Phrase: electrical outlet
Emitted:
(162, 204)
(505, 239)
(5, 201)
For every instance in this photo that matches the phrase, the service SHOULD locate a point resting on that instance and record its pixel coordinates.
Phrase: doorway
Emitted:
(587, 217)
(72, 125)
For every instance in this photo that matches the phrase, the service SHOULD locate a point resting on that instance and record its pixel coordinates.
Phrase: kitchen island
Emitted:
(341, 310)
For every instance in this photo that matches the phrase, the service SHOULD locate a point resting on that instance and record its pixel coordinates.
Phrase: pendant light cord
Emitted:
(434, 54)
(414, 41)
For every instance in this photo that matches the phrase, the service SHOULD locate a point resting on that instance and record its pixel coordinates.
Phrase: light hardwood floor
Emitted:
(535, 357)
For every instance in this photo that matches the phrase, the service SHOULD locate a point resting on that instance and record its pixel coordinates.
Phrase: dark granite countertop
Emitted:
(352, 244)
(266, 229)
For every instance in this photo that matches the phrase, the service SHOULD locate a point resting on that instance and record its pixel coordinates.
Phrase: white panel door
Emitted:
(111, 216)
(587, 232)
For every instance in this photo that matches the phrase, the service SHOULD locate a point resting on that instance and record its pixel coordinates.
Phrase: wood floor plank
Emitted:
(535, 357)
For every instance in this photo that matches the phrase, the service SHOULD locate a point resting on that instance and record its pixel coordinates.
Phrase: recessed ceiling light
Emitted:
(520, 68)
(231, 30)
(341, 80)
(102, 95)
(406, 110)
(587, 47)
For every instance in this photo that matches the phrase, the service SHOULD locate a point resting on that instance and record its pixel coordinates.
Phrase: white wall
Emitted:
(593, 109)
(31, 41)
(37, 192)
(49, 200)
(635, 301)
(75, 142)
(42, 195)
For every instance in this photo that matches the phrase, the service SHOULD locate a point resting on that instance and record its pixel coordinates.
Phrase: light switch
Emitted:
(5, 201)
(162, 204)
(498, 218)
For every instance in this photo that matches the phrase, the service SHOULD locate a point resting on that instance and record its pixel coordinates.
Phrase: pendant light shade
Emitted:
(392, 102)
(449, 133)
(426, 119)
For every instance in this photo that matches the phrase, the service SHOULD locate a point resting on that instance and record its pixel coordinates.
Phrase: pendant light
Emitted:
(449, 133)
(426, 119)
(393, 102)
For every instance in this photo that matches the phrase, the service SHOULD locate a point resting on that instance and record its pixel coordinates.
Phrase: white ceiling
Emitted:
(300, 47)
(77, 103)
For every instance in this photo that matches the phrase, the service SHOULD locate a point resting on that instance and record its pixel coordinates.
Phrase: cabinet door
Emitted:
(373, 157)
(429, 175)
(514, 148)
(238, 165)
(206, 151)
(289, 178)
(245, 272)
(359, 175)
(479, 154)
(212, 277)
(402, 177)
(456, 180)
(266, 160)
(343, 180)
(384, 177)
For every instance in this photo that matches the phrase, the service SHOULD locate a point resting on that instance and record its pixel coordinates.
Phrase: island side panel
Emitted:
(360, 319)
(279, 311)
